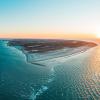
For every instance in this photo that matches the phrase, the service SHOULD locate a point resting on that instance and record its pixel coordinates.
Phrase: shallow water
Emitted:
(63, 78)
(18, 78)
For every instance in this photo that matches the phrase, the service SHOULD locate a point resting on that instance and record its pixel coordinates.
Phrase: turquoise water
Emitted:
(74, 78)
(17, 77)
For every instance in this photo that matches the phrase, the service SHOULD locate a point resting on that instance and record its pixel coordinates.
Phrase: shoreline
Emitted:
(78, 51)
(69, 56)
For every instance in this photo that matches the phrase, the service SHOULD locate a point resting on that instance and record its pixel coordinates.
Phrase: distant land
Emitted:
(42, 49)
(37, 45)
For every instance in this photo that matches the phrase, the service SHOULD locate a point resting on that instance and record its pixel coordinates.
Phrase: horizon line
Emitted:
(49, 35)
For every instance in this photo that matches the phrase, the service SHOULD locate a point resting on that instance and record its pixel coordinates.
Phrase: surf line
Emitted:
(43, 88)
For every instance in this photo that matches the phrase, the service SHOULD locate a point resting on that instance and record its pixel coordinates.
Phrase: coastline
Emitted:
(70, 54)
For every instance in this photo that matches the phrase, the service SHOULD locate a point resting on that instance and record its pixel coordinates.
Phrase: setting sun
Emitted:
(98, 31)
(98, 35)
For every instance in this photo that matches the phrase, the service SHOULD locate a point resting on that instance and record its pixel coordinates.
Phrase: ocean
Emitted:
(64, 78)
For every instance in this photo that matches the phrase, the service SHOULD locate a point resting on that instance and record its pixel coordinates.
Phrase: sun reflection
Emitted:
(95, 62)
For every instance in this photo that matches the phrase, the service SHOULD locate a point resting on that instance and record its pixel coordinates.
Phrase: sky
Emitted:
(36, 18)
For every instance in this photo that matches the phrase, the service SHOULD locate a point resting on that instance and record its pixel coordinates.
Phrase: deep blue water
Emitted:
(74, 78)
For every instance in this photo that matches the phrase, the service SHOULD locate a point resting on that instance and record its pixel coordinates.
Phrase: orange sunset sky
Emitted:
(49, 35)
(63, 19)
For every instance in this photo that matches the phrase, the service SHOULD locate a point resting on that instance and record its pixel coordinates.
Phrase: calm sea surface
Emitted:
(73, 78)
